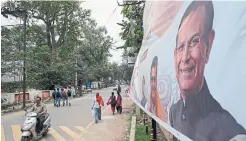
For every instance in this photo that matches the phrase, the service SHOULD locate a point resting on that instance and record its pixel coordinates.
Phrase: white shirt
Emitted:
(95, 104)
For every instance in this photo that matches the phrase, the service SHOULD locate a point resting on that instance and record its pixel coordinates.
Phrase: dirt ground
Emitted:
(111, 127)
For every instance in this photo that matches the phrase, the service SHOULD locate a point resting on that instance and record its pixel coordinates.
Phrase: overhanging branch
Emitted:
(134, 3)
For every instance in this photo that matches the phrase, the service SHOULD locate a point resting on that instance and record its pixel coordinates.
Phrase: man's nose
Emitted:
(185, 55)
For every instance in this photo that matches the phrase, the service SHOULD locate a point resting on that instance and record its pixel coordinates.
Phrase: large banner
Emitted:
(190, 74)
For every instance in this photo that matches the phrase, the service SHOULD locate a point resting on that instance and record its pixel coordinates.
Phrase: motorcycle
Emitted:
(29, 129)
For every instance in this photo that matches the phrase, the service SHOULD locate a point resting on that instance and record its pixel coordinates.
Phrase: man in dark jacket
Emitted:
(198, 115)
(58, 97)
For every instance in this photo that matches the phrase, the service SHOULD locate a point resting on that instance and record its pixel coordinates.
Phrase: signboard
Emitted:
(190, 72)
(131, 60)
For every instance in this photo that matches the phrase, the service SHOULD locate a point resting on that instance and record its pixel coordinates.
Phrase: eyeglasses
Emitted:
(192, 44)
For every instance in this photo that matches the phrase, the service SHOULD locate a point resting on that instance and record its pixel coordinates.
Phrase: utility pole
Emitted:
(24, 60)
(76, 75)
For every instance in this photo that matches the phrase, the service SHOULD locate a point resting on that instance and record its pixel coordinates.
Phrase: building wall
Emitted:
(12, 98)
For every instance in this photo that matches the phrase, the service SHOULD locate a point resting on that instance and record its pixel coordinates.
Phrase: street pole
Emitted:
(76, 75)
(153, 133)
(24, 61)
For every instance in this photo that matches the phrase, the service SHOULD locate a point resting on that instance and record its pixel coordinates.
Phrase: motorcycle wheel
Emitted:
(25, 139)
(46, 132)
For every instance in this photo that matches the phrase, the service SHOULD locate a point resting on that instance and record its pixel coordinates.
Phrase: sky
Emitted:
(106, 13)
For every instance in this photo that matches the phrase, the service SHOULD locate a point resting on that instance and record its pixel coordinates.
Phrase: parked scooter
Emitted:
(29, 129)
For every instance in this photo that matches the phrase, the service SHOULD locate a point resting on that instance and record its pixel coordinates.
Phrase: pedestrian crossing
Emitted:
(2, 134)
(59, 133)
(17, 132)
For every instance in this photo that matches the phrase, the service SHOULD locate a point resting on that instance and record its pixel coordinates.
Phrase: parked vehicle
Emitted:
(115, 88)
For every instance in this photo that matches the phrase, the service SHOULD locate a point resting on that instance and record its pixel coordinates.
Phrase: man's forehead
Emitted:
(192, 24)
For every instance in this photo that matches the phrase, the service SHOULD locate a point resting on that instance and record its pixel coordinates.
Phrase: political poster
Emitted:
(190, 73)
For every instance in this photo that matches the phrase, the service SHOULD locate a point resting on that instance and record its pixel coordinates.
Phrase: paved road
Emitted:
(67, 122)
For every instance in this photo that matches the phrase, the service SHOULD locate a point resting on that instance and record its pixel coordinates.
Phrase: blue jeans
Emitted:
(58, 101)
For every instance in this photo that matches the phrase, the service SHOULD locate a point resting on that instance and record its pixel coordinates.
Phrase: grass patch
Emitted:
(140, 133)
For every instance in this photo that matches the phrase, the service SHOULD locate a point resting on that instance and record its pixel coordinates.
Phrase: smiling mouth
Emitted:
(187, 70)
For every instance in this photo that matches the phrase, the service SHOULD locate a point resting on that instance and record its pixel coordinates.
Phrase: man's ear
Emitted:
(174, 52)
(210, 43)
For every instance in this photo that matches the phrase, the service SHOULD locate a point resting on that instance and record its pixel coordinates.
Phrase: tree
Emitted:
(61, 39)
(132, 32)
(10, 54)
(132, 25)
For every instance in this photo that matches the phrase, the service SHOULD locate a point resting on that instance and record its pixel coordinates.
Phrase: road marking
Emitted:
(82, 129)
(70, 132)
(2, 134)
(56, 135)
(16, 130)
(89, 125)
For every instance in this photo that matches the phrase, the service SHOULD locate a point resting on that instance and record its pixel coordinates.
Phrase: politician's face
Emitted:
(192, 51)
(153, 81)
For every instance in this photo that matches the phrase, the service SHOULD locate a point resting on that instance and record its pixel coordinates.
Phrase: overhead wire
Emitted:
(111, 16)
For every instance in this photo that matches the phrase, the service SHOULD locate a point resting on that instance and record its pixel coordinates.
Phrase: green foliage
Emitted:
(132, 32)
(140, 133)
(59, 34)
(132, 29)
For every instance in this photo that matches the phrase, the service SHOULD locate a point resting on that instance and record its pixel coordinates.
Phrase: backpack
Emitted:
(113, 101)
(69, 92)
(54, 94)
(58, 94)
(64, 93)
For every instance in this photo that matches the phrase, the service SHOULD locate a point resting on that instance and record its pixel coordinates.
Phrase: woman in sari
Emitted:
(112, 102)
(96, 107)
(101, 102)
(119, 103)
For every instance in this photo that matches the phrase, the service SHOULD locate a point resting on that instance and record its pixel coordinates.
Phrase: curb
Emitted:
(15, 110)
(133, 128)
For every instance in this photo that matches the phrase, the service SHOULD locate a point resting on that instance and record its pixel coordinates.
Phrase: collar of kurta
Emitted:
(202, 103)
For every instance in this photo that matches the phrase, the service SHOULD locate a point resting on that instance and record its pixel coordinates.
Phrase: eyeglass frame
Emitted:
(190, 47)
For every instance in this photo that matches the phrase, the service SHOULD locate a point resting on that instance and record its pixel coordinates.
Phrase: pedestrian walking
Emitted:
(112, 102)
(70, 95)
(95, 107)
(119, 89)
(119, 103)
(101, 102)
(54, 96)
(64, 96)
(58, 97)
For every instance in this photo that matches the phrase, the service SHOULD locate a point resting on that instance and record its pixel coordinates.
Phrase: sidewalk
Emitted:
(15, 108)
(111, 127)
